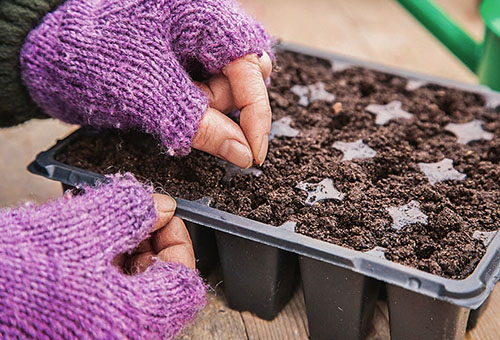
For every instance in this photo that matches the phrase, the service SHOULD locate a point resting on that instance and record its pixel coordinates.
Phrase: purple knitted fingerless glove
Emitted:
(58, 281)
(122, 63)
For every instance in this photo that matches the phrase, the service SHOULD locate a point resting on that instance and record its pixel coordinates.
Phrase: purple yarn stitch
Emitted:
(121, 63)
(58, 280)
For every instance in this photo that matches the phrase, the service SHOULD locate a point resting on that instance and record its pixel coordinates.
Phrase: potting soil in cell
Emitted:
(451, 207)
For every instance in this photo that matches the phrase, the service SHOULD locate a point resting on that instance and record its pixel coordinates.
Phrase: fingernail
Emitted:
(263, 150)
(235, 152)
(165, 203)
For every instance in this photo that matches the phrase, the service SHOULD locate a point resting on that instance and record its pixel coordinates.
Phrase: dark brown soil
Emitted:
(455, 209)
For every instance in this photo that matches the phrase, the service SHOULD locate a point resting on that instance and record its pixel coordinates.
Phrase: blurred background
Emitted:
(376, 30)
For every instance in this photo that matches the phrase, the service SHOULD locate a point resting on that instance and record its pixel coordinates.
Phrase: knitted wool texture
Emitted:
(17, 19)
(58, 281)
(125, 63)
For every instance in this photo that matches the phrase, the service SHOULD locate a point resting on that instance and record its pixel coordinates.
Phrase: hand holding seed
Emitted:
(145, 82)
(240, 86)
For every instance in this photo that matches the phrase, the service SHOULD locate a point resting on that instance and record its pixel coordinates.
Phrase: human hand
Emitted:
(58, 276)
(109, 64)
(169, 241)
(241, 85)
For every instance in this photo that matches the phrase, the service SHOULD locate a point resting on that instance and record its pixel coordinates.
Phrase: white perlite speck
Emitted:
(338, 66)
(441, 171)
(312, 93)
(388, 112)
(281, 127)
(468, 132)
(413, 84)
(377, 252)
(407, 214)
(289, 225)
(324, 190)
(354, 150)
(484, 236)
(493, 101)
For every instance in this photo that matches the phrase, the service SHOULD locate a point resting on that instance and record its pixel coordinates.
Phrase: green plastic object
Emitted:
(481, 58)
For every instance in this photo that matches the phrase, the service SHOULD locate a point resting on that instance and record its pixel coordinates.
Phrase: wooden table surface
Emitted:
(376, 30)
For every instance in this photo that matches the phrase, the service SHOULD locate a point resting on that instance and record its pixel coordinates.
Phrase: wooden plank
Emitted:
(380, 325)
(291, 322)
(488, 327)
(376, 30)
(18, 147)
(399, 40)
(466, 14)
(216, 320)
(314, 22)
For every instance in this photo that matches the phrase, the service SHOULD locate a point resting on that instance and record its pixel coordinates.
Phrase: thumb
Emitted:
(171, 243)
(218, 135)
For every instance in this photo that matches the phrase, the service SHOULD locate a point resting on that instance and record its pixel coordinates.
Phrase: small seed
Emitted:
(337, 107)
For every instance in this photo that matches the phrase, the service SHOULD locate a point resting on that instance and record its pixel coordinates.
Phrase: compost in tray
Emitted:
(358, 158)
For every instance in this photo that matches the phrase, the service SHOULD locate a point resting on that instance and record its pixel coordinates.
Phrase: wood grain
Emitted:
(488, 327)
(219, 322)
(216, 320)
(291, 323)
(376, 30)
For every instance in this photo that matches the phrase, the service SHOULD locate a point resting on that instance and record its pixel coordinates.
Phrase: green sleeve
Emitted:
(17, 19)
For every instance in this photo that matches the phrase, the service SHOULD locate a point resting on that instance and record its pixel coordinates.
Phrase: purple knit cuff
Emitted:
(215, 33)
(105, 221)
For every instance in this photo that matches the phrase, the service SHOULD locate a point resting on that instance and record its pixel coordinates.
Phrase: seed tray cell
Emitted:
(261, 264)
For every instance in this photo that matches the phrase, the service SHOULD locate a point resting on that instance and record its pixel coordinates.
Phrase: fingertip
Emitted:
(237, 153)
(162, 219)
(173, 244)
(251, 98)
(262, 153)
(165, 206)
(179, 229)
(266, 65)
(164, 202)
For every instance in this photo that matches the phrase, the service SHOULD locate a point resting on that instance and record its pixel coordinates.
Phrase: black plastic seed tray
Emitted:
(260, 263)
